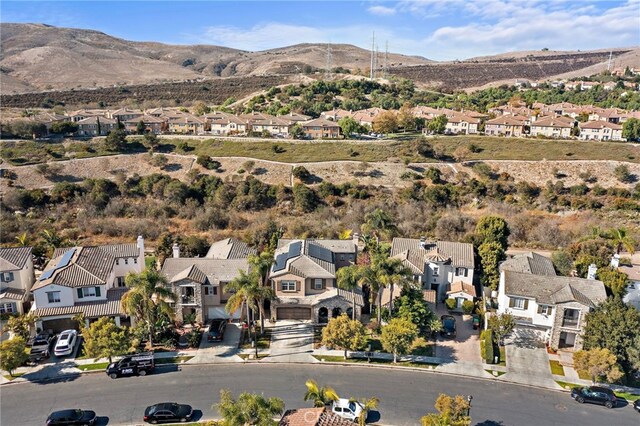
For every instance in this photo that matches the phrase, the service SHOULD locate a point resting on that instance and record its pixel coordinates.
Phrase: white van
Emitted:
(347, 409)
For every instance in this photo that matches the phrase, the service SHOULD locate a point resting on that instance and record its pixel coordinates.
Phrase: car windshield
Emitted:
(77, 414)
(352, 406)
(448, 323)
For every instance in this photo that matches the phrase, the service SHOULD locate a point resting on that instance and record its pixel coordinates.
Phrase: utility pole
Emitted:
(373, 44)
(329, 62)
(385, 70)
(609, 64)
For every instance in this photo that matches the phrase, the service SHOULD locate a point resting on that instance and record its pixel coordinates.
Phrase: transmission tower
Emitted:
(373, 44)
(385, 69)
(329, 63)
(609, 64)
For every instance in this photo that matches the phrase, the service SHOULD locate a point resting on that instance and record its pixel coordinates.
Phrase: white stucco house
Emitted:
(85, 280)
(16, 279)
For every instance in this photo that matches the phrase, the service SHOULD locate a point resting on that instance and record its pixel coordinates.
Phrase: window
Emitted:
(135, 260)
(317, 284)
(215, 291)
(461, 272)
(288, 285)
(53, 296)
(6, 277)
(342, 257)
(7, 308)
(436, 271)
(120, 282)
(518, 303)
(544, 309)
(126, 261)
(88, 292)
(117, 261)
(210, 290)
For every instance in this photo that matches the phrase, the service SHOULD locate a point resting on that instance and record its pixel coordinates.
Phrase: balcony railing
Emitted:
(187, 300)
(570, 322)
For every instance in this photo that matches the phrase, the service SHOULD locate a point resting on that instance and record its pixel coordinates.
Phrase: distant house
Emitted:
(552, 127)
(436, 265)
(336, 114)
(367, 116)
(600, 131)
(86, 280)
(96, 126)
(461, 292)
(506, 125)
(185, 124)
(125, 114)
(223, 123)
(321, 129)
(151, 123)
(294, 117)
(303, 278)
(16, 279)
(462, 124)
(557, 306)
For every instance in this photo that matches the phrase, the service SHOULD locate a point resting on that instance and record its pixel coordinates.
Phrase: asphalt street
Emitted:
(405, 396)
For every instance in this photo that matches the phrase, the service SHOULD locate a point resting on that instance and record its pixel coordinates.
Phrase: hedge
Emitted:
(486, 346)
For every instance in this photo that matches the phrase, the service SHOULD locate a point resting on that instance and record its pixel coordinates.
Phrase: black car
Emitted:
(72, 417)
(167, 412)
(595, 395)
(636, 405)
(216, 330)
(138, 364)
(448, 326)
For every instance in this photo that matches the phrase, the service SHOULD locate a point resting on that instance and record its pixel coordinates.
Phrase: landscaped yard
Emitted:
(374, 361)
(264, 340)
(503, 356)
(556, 368)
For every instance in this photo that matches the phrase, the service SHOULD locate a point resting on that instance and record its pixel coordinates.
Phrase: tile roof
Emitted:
(12, 293)
(192, 273)
(461, 287)
(551, 121)
(320, 122)
(315, 260)
(109, 307)
(216, 270)
(94, 120)
(414, 256)
(599, 125)
(312, 417)
(14, 258)
(122, 250)
(531, 263)
(330, 293)
(230, 248)
(552, 290)
(430, 296)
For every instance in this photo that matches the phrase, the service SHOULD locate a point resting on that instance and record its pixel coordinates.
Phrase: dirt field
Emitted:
(275, 173)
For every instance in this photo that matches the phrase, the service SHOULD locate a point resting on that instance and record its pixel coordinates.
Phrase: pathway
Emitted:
(291, 341)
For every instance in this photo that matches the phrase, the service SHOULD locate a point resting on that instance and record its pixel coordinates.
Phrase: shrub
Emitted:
(622, 173)
(486, 346)
(300, 172)
(451, 303)
(467, 307)
(277, 149)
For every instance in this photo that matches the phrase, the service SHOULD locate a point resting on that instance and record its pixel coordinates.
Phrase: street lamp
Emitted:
(469, 398)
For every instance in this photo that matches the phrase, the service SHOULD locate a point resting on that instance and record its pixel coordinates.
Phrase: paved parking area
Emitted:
(465, 347)
(527, 360)
(219, 352)
(291, 341)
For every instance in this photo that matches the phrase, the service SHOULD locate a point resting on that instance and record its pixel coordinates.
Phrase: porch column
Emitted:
(117, 320)
(86, 322)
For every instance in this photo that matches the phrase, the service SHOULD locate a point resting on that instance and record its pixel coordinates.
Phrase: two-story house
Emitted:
(321, 128)
(436, 265)
(199, 282)
(16, 279)
(85, 280)
(530, 290)
(303, 278)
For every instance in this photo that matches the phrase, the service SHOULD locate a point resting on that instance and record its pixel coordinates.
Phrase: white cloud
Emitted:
(381, 10)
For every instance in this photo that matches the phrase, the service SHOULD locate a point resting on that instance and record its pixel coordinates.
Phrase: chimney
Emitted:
(356, 240)
(423, 242)
(176, 250)
(615, 261)
(591, 274)
(140, 243)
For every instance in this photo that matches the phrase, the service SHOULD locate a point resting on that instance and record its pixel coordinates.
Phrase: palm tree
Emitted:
(148, 299)
(621, 239)
(321, 396)
(22, 239)
(379, 222)
(261, 293)
(348, 278)
(369, 277)
(262, 263)
(249, 409)
(367, 405)
(391, 272)
(242, 294)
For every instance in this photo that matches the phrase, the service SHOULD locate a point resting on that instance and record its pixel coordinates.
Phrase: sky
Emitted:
(434, 29)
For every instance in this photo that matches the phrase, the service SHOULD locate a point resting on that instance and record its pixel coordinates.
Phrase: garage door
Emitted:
(294, 313)
(59, 325)
(220, 312)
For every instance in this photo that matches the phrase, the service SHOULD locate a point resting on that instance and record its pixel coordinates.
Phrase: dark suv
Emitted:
(595, 395)
(216, 330)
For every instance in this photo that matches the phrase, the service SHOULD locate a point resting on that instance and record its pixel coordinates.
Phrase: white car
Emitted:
(349, 410)
(66, 343)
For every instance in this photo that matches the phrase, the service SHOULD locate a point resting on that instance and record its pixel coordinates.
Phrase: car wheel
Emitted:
(155, 422)
(142, 373)
(608, 404)
(183, 420)
(580, 400)
(113, 375)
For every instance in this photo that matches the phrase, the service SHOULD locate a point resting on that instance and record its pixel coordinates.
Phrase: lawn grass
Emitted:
(628, 396)
(329, 358)
(264, 340)
(15, 376)
(94, 367)
(556, 368)
(567, 385)
(422, 347)
(496, 373)
(246, 356)
(401, 148)
(584, 375)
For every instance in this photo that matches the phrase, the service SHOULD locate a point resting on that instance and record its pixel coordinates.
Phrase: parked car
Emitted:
(167, 412)
(448, 326)
(347, 409)
(138, 364)
(66, 343)
(217, 328)
(40, 345)
(636, 405)
(594, 395)
(72, 417)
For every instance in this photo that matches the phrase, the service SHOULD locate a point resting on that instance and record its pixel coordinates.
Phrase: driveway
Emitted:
(465, 347)
(219, 352)
(291, 341)
(527, 359)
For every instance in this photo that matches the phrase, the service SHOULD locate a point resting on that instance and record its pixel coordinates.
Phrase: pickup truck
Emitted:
(39, 346)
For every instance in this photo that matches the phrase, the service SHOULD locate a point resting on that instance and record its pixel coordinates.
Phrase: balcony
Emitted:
(187, 300)
(570, 322)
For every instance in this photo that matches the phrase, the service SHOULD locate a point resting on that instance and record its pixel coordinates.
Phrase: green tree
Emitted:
(260, 265)
(615, 326)
(406, 119)
(116, 140)
(348, 126)
(631, 130)
(304, 198)
(438, 125)
(301, 173)
(20, 325)
(621, 238)
(501, 325)
(141, 129)
(249, 409)
(379, 223)
(104, 339)
(347, 279)
(397, 336)
(385, 122)
(320, 395)
(562, 262)
(148, 300)
(622, 173)
(242, 298)
(599, 363)
(344, 333)
(13, 353)
(491, 254)
(452, 411)
(368, 404)
(615, 281)
(151, 139)
(296, 131)
(392, 272)
(412, 306)
(493, 228)
(64, 127)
